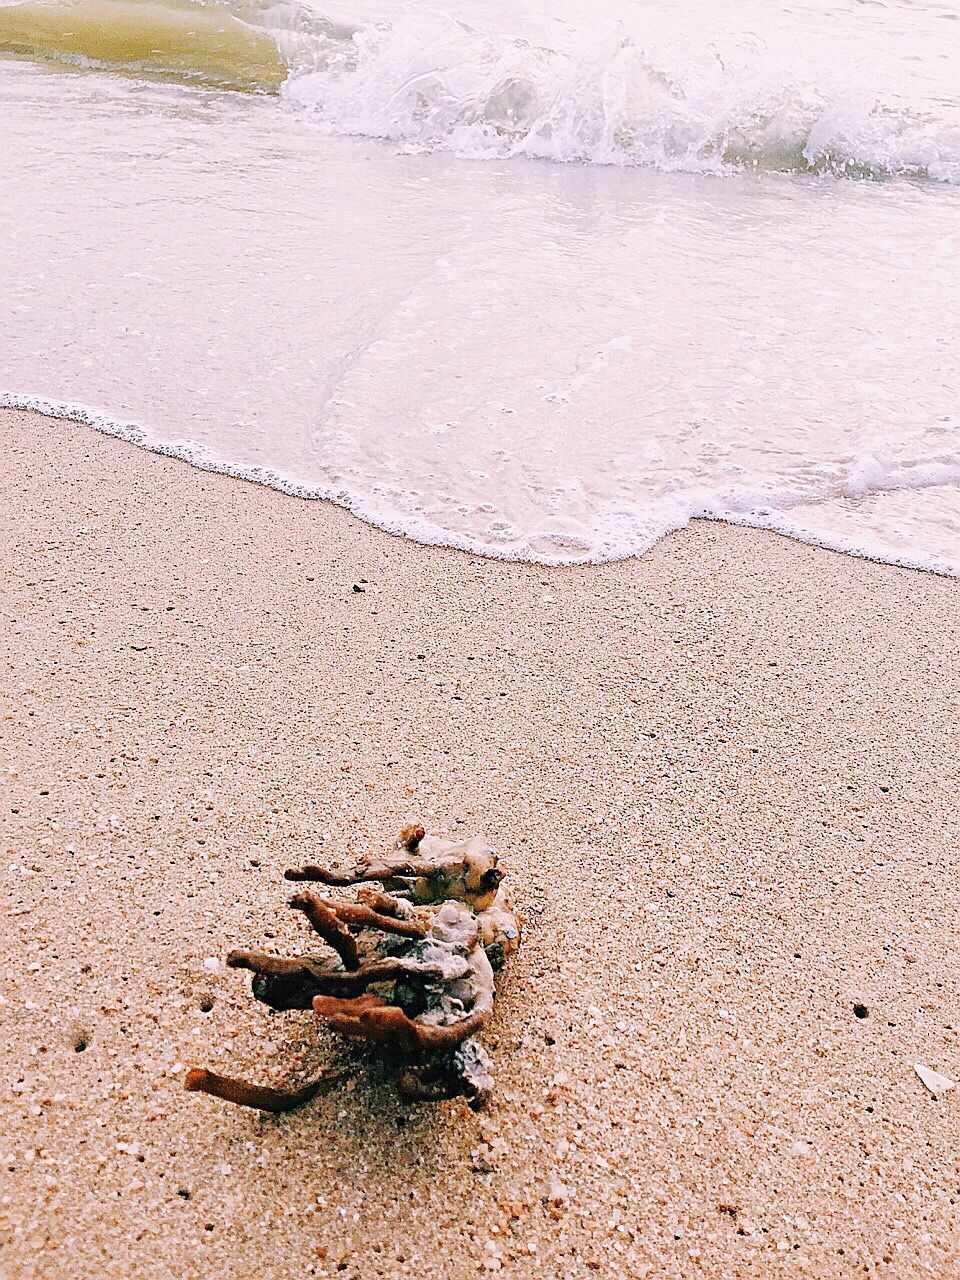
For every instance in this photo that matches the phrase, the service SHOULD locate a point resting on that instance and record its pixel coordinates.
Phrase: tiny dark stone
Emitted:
(359, 587)
(138, 648)
(183, 1193)
(861, 1010)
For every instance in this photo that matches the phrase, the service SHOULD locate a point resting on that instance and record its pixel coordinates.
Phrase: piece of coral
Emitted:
(409, 966)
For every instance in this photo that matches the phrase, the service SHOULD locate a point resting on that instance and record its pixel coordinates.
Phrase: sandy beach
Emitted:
(723, 782)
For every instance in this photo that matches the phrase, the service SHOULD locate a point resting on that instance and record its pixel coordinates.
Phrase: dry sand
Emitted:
(723, 780)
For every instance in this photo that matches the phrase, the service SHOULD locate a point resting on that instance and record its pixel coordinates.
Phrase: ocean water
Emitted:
(543, 284)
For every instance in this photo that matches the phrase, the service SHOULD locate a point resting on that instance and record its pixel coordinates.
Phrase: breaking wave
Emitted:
(597, 92)
(431, 83)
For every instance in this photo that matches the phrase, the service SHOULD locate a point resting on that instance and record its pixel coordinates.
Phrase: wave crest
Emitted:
(429, 82)
(595, 91)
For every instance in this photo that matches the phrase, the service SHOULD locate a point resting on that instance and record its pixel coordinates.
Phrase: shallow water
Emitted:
(738, 300)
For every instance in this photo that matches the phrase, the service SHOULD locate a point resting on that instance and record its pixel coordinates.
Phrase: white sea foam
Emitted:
(638, 92)
(550, 362)
(853, 89)
(615, 534)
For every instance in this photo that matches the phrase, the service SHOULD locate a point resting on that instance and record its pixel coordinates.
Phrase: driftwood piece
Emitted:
(409, 968)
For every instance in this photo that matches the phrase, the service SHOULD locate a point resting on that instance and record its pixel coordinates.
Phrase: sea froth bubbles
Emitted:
(747, 311)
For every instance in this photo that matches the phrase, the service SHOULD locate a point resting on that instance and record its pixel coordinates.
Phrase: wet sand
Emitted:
(723, 781)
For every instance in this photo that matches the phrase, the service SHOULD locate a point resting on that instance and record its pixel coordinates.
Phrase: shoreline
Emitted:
(721, 779)
(130, 432)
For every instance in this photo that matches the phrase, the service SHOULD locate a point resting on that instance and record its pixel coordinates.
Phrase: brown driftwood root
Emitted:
(409, 967)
